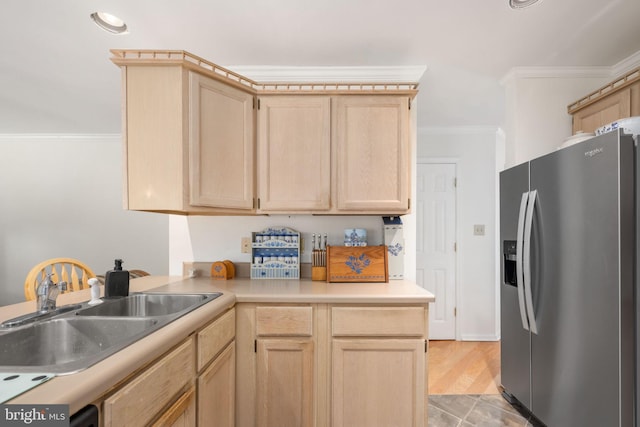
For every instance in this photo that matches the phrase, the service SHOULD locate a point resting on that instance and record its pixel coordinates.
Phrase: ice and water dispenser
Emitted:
(509, 259)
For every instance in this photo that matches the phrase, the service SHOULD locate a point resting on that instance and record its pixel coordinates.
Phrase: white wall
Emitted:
(537, 121)
(475, 151)
(61, 196)
(208, 239)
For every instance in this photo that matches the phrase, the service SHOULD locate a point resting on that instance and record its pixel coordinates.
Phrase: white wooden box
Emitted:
(394, 240)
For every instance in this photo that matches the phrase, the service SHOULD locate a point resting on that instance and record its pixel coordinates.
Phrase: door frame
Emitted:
(456, 162)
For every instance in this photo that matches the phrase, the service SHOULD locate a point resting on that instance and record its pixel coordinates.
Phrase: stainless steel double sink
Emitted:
(75, 337)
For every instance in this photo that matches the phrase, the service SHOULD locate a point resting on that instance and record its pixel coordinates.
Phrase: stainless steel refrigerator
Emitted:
(568, 235)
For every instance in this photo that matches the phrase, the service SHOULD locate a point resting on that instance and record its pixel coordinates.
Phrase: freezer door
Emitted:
(514, 344)
(582, 296)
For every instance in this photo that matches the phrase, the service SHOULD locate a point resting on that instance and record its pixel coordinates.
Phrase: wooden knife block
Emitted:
(319, 273)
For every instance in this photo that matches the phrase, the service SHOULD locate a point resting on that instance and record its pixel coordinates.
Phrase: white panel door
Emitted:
(436, 245)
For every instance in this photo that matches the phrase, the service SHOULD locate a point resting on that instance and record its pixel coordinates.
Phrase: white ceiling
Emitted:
(56, 77)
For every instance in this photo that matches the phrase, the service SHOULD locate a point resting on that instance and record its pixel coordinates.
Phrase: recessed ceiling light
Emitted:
(521, 4)
(109, 22)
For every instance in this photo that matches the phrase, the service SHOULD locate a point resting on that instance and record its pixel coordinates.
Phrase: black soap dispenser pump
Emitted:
(116, 281)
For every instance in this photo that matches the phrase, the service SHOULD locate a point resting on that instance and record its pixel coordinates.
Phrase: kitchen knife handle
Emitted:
(526, 257)
(519, 260)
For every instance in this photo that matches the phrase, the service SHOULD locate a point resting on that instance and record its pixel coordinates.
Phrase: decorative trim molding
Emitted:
(555, 72)
(408, 74)
(626, 65)
(59, 135)
(622, 67)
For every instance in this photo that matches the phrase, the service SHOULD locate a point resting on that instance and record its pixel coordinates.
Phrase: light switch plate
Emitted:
(478, 230)
(245, 245)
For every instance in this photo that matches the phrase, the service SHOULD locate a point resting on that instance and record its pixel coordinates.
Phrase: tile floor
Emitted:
(467, 410)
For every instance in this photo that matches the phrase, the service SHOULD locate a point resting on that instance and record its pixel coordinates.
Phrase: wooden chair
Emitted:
(133, 274)
(72, 271)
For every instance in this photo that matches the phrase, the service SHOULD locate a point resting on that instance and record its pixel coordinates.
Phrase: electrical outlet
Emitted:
(478, 230)
(245, 245)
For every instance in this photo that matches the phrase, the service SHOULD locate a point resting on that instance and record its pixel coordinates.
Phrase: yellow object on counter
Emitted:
(223, 270)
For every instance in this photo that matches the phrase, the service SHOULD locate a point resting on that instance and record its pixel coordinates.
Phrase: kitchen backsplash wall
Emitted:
(202, 238)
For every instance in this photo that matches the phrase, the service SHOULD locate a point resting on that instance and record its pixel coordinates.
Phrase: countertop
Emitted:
(306, 291)
(86, 386)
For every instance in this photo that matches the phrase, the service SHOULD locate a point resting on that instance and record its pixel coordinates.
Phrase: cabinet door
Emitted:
(221, 145)
(153, 138)
(143, 398)
(216, 391)
(378, 383)
(284, 382)
(372, 153)
(181, 414)
(294, 153)
(605, 111)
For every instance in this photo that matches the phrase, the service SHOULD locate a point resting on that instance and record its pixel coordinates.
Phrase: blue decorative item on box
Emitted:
(355, 237)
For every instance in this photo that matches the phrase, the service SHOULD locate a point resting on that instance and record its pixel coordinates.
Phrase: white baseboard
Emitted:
(469, 337)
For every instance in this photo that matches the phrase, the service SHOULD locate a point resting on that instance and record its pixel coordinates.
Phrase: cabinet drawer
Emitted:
(379, 321)
(143, 398)
(213, 338)
(284, 321)
(181, 413)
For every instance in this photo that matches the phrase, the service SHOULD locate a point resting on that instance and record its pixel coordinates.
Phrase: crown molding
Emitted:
(626, 65)
(404, 74)
(555, 72)
(622, 67)
(66, 136)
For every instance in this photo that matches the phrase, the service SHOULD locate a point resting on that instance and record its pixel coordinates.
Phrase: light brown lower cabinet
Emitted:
(285, 382)
(378, 383)
(331, 365)
(182, 413)
(144, 399)
(193, 384)
(216, 391)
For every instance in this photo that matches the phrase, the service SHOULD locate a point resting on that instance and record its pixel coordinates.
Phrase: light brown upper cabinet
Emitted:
(294, 146)
(221, 145)
(339, 154)
(371, 154)
(190, 130)
(189, 142)
(617, 100)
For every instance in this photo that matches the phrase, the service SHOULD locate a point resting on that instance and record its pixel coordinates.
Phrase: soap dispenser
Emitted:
(116, 281)
(95, 291)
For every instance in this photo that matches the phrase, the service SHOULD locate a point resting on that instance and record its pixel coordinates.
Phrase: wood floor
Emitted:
(464, 367)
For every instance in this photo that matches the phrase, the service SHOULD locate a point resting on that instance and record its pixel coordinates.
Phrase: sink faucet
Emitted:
(47, 292)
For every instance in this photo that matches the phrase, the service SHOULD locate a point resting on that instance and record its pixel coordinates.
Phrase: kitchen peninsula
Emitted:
(312, 352)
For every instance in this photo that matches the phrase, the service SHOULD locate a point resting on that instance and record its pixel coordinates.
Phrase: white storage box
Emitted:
(394, 240)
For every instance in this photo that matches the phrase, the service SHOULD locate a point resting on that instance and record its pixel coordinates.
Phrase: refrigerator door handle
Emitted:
(519, 260)
(526, 260)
